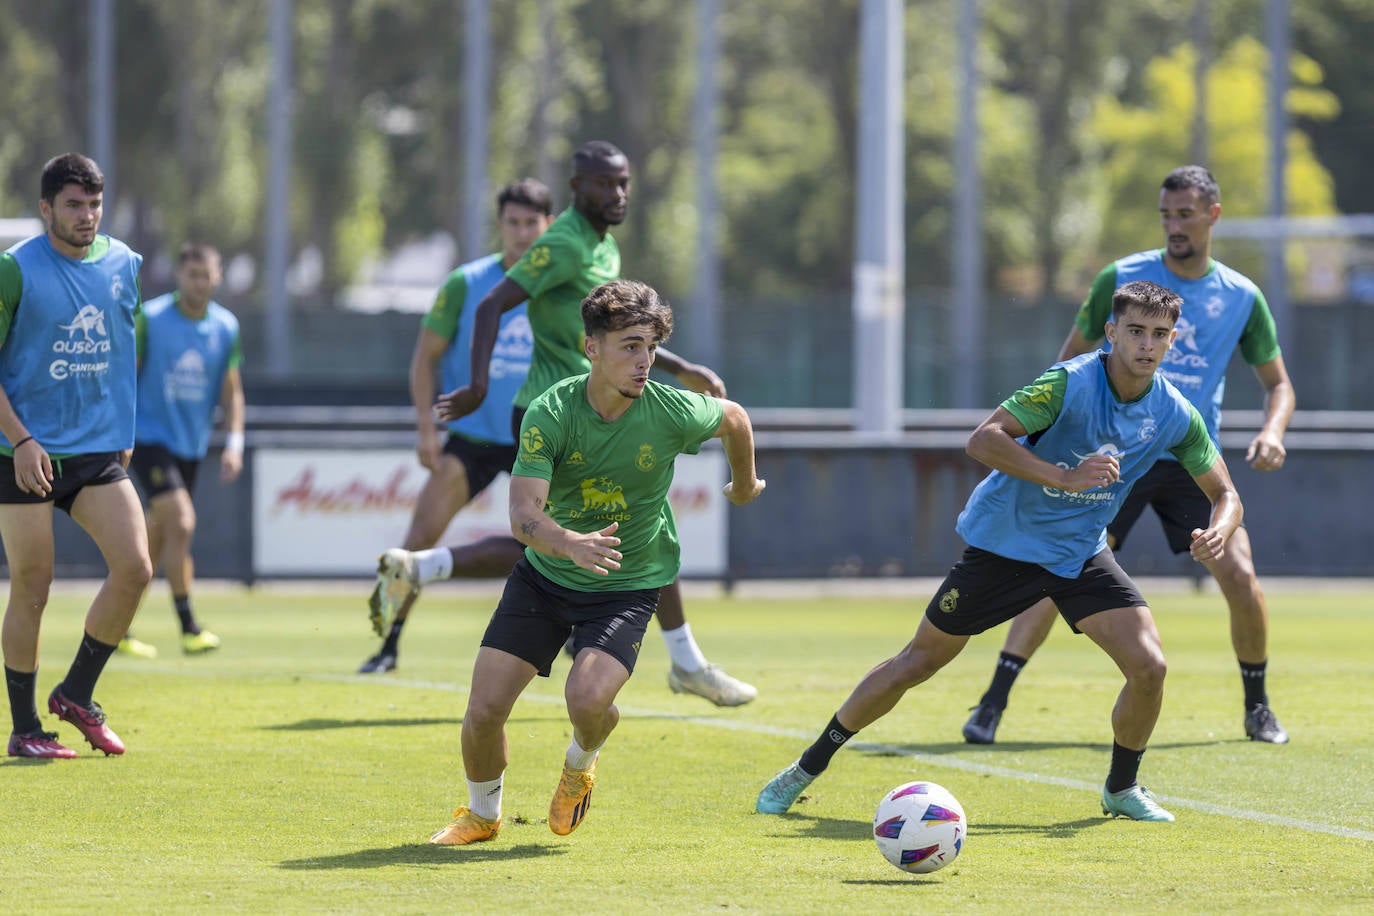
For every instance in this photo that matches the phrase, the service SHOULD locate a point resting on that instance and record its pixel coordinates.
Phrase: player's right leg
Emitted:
(498, 678)
(874, 697)
(26, 532)
(1028, 631)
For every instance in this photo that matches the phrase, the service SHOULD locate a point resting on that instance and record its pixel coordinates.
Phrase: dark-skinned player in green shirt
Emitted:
(575, 255)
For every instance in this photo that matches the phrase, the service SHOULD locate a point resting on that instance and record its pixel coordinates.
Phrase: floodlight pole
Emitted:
(879, 244)
(704, 328)
(966, 320)
(277, 209)
(474, 221)
(1276, 29)
(100, 82)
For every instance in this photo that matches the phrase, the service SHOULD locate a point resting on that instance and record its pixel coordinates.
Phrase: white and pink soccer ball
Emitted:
(920, 827)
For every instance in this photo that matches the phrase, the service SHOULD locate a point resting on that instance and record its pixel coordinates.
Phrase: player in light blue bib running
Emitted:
(1222, 311)
(1064, 451)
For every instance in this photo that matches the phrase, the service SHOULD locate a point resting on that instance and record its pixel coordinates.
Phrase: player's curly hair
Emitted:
(1151, 299)
(623, 304)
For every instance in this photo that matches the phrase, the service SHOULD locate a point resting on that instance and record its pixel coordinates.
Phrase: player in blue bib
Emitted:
(477, 447)
(1064, 451)
(67, 366)
(1222, 311)
(189, 358)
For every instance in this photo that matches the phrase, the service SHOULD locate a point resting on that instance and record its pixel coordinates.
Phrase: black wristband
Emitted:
(16, 445)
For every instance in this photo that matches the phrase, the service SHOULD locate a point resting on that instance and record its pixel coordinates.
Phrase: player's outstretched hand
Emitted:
(596, 552)
(1266, 453)
(458, 403)
(1207, 545)
(740, 494)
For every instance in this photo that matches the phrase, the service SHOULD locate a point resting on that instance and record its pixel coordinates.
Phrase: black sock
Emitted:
(816, 758)
(22, 687)
(1125, 766)
(1252, 679)
(393, 639)
(79, 684)
(1008, 667)
(188, 621)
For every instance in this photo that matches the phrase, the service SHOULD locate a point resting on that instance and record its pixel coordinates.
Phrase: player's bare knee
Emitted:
(1147, 669)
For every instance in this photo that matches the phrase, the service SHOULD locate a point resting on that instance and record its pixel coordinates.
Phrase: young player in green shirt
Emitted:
(589, 499)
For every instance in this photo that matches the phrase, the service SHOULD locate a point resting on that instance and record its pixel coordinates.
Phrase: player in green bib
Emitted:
(589, 499)
(574, 256)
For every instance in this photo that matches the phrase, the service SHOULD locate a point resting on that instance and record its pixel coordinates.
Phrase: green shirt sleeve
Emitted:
(236, 353)
(1259, 342)
(1196, 452)
(442, 317)
(1096, 310)
(11, 288)
(140, 336)
(554, 259)
(1038, 404)
(540, 445)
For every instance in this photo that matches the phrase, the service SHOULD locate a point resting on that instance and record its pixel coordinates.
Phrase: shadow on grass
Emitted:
(963, 747)
(424, 854)
(320, 725)
(824, 828)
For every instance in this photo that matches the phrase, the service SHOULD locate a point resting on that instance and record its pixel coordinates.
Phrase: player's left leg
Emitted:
(1129, 636)
(689, 671)
(171, 528)
(590, 691)
(111, 514)
(1234, 572)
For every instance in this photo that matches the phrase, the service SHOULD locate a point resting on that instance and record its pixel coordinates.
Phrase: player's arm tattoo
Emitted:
(529, 528)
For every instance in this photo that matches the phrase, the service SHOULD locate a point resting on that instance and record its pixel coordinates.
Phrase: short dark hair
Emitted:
(1193, 176)
(624, 304)
(594, 154)
(197, 251)
(1153, 300)
(70, 168)
(528, 192)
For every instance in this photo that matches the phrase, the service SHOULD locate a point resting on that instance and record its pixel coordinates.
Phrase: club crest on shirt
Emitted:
(645, 459)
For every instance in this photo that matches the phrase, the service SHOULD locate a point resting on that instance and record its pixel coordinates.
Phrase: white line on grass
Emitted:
(954, 763)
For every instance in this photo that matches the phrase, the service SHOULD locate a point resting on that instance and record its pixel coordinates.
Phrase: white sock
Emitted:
(484, 798)
(433, 564)
(683, 648)
(578, 757)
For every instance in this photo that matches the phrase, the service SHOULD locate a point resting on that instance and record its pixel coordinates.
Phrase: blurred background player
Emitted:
(482, 444)
(592, 571)
(1222, 310)
(577, 254)
(189, 357)
(68, 368)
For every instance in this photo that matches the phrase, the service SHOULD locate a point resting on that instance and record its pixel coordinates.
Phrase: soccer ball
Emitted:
(919, 827)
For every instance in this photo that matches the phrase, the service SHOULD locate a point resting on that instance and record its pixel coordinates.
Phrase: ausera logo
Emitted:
(93, 340)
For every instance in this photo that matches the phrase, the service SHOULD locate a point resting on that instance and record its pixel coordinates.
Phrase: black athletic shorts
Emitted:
(1177, 500)
(70, 475)
(985, 589)
(158, 471)
(482, 460)
(536, 615)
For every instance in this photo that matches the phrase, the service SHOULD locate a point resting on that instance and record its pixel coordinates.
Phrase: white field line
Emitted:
(943, 760)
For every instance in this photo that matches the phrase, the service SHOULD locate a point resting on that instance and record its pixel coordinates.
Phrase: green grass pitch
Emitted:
(267, 777)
